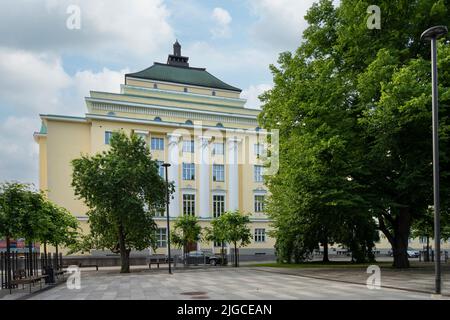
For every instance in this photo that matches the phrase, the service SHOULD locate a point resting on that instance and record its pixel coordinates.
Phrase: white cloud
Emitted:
(280, 22)
(222, 19)
(33, 84)
(110, 29)
(106, 81)
(252, 93)
(19, 160)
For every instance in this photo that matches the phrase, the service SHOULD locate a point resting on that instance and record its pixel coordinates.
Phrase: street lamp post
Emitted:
(166, 166)
(433, 34)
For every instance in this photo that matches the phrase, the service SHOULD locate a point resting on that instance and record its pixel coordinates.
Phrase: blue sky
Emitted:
(48, 68)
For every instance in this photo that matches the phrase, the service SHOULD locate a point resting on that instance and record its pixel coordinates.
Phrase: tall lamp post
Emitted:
(166, 166)
(433, 34)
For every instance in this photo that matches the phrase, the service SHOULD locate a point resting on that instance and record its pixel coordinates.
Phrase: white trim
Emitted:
(165, 124)
(177, 109)
(180, 93)
(184, 85)
(62, 118)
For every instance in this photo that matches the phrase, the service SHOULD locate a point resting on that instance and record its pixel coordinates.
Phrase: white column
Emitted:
(204, 177)
(173, 154)
(233, 175)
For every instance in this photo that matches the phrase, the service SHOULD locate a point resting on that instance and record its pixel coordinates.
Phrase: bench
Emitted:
(81, 265)
(20, 277)
(156, 260)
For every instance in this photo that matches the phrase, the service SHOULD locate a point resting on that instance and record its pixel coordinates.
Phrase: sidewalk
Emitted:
(419, 278)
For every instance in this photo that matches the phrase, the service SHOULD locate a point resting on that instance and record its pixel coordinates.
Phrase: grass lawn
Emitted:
(320, 264)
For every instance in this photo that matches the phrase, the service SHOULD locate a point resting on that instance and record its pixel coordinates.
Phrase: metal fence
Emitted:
(25, 266)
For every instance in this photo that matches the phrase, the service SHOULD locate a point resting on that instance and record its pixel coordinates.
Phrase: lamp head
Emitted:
(166, 165)
(434, 33)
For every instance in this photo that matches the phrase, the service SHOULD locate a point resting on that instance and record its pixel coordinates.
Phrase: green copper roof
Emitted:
(43, 129)
(182, 75)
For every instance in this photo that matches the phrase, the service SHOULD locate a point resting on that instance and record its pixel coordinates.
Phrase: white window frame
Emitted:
(259, 235)
(161, 237)
(188, 204)
(258, 204)
(258, 173)
(188, 171)
(157, 143)
(218, 173)
(221, 203)
(188, 146)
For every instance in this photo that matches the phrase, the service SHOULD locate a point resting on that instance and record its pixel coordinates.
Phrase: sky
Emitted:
(47, 67)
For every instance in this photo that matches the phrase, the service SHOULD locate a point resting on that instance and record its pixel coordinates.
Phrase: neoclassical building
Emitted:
(188, 118)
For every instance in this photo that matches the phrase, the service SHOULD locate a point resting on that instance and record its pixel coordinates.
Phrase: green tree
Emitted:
(123, 190)
(187, 230)
(217, 233)
(423, 227)
(14, 200)
(236, 230)
(354, 112)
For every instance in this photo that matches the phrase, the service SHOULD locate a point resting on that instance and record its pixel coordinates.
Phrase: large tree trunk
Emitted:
(325, 251)
(399, 236)
(400, 240)
(124, 253)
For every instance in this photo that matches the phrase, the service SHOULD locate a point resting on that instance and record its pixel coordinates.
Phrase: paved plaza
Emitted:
(218, 283)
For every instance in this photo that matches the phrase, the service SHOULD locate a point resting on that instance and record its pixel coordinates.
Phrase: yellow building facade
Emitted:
(188, 118)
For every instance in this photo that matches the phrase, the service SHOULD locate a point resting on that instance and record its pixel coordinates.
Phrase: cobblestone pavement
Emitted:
(223, 284)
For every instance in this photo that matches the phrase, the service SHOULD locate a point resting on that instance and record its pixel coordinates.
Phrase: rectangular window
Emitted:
(218, 205)
(218, 148)
(108, 135)
(259, 203)
(260, 235)
(161, 237)
(189, 204)
(161, 169)
(258, 149)
(188, 171)
(188, 146)
(218, 172)
(258, 173)
(157, 144)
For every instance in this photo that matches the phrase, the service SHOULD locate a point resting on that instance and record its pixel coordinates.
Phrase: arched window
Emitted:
(257, 129)
(155, 86)
(185, 89)
(158, 119)
(213, 93)
(189, 122)
(220, 125)
(111, 113)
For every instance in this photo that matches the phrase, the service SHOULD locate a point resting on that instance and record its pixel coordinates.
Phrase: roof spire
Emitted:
(176, 59)
(177, 49)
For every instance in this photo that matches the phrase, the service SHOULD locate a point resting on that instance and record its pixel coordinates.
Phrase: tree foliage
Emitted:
(353, 107)
(123, 190)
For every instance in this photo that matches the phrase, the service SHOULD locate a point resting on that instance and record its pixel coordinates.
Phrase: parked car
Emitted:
(413, 253)
(199, 257)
